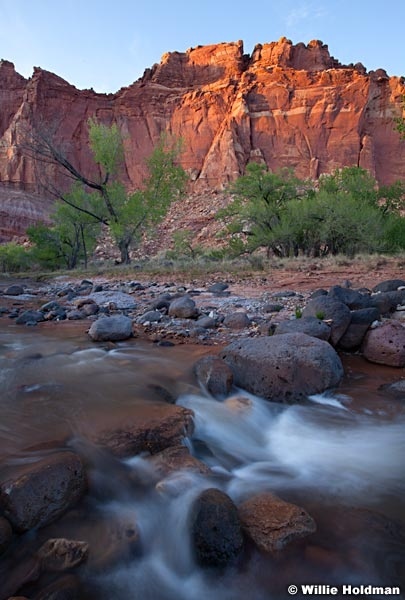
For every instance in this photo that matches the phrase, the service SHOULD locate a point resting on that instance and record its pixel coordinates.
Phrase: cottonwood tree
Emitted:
(128, 215)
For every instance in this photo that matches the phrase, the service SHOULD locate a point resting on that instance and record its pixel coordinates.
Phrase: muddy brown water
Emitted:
(340, 456)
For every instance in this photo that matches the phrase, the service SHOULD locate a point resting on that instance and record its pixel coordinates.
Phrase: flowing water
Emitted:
(340, 456)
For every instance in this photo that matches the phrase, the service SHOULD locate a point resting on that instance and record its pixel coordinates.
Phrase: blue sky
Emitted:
(108, 45)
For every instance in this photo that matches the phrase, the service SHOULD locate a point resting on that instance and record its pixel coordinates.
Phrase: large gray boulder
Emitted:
(309, 325)
(112, 329)
(183, 307)
(334, 311)
(360, 322)
(283, 368)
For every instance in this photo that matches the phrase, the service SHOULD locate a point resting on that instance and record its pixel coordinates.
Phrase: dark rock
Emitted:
(309, 325)
(273, 523)
(390, 285)
(284, 294)
(206, 323)
(214, 375)
(152, 316)
(50, 306)
(360, 322)
(60, 554)
(318, 293)
(162, 302)
(30, 316)
(148, 429)
(14, 290)
(270, 308)
(75, 315)
(216, 531)
(37, 493)
(331, 310)
(396, 388)
(218, 287)
(6, 534)
(284, 367)
(384, 302)
(183, 307)
(352, 298)
(113, 329)
(237, 320)
(90, 309)
(385, 345)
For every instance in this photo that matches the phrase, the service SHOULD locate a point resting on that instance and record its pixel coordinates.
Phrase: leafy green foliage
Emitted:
(347, 214)
(14, 258)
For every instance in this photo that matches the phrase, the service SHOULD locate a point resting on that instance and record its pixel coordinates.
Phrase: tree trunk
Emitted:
(124, 251)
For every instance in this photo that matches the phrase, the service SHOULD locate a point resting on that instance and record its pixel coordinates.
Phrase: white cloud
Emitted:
(304, 12)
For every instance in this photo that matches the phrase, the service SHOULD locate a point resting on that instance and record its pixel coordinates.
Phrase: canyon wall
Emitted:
(287, 105)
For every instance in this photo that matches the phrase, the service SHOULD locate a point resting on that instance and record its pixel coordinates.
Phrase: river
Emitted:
(340, 456)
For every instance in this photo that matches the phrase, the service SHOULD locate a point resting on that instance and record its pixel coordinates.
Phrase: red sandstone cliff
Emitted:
(289, 105)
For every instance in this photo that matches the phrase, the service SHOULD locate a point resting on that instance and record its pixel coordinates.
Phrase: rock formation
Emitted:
(287, 105)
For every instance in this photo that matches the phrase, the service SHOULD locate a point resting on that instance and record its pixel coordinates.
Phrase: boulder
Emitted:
(151, 316)
(360, 322)
(385, 345)
(116, 328)
(60, 554)
(385, 302)
(183, 307)
(37, 493)
(273, 523)
(309, 325)
(237, 320)
(334, 311)
(150, 428)
(214, 375)
(14, 290)
(352, 298)
(390, 285)
(286, 367)
(216, 531)
(218, 287)
(30, 316)
(176, 458)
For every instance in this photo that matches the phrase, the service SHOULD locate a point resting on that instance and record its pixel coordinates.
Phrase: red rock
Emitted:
(273, 523)
(385, 345)
(288, 105)
(60, 554)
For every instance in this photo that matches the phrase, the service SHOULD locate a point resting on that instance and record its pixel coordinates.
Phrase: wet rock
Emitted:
(115, 328)
(50, 306)
(396, 388)
(384, 302)
(237, 320)
(273, 523)
(183, 308)
(36, 493)
(64, 588)
(60, 554)
(385, 345)
(239, 404)
(15, 577)
(285, 367)
(324, 307)
(216, 531)
(309, 325)
(149, 428)
(30, 316)
(75, 315)
(111, 541)
(360, 322)
(176, 458)
(390, 285)
(214, 375)
(6, 534)
(14, 290)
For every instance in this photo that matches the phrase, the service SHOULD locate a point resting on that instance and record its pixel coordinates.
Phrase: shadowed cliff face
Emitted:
(288, 105)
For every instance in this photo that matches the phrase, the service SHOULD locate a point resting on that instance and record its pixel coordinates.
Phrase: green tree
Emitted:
(260, 198)
(13, 258)
(128, 215)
